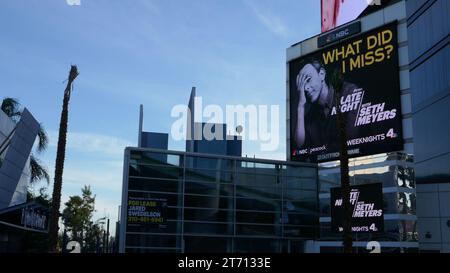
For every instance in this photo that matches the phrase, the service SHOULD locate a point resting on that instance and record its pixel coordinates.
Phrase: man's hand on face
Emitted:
(301, 89)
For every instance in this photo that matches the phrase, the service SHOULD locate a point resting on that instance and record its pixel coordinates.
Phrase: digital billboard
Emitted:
(339, 12)
(370, 99)
(366, 206)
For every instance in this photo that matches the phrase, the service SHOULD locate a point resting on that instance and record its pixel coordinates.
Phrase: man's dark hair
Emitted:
(316, 63)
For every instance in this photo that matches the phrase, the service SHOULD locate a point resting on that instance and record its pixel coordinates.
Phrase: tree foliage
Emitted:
(38, 171)
(77, 218)
(42, 198)
(42, 139)
(10, 107)
(78, 212)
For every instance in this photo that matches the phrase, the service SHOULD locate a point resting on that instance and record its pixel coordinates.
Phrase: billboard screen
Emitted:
(370, 98)
(366, 206)
(339, 12)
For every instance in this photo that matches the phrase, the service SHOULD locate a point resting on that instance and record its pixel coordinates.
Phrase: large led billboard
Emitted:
(339, 12)
(370, 98)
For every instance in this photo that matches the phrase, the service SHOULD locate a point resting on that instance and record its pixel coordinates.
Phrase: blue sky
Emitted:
(142, 52)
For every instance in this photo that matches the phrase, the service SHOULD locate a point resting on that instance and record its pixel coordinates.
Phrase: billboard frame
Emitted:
(310, 45)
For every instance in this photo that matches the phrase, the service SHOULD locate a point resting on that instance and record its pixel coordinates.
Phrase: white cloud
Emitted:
(101, 178)
(271, 21)
(92, 143)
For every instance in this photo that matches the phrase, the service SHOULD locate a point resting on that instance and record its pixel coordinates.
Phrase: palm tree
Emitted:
(11, 107)
(59, 164)
(37, 171)
(337, 81)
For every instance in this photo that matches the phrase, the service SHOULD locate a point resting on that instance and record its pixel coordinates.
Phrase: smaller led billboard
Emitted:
(366, 206)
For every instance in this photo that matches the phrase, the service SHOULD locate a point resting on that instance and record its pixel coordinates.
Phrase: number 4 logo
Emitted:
(391, 133)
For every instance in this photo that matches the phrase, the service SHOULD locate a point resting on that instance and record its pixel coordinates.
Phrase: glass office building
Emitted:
(429, 56)
(394, 171)
(213, 203)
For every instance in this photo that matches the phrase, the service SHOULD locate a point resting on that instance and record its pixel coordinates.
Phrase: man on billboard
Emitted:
(316, 111)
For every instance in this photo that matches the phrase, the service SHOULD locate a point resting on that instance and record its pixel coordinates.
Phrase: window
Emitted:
(208, 202)
(208, 188)
(149, 184)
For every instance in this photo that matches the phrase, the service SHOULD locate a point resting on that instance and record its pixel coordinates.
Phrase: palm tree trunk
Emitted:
(345, 184)
(337, 81)
(59, 164)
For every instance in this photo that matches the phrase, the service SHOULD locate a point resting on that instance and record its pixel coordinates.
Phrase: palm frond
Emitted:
(42, 139)
(11, 107)
(38, 172)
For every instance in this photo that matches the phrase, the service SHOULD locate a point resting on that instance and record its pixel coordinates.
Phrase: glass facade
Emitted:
(396, 174)
(212, 203)
(429, 54)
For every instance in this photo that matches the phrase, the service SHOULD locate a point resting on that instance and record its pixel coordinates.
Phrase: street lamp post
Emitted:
(107, 237)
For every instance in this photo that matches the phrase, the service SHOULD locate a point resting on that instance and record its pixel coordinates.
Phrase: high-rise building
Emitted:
(16, 142)
(429, 65)
(375, 81)
(218, 143)
(423, 65)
